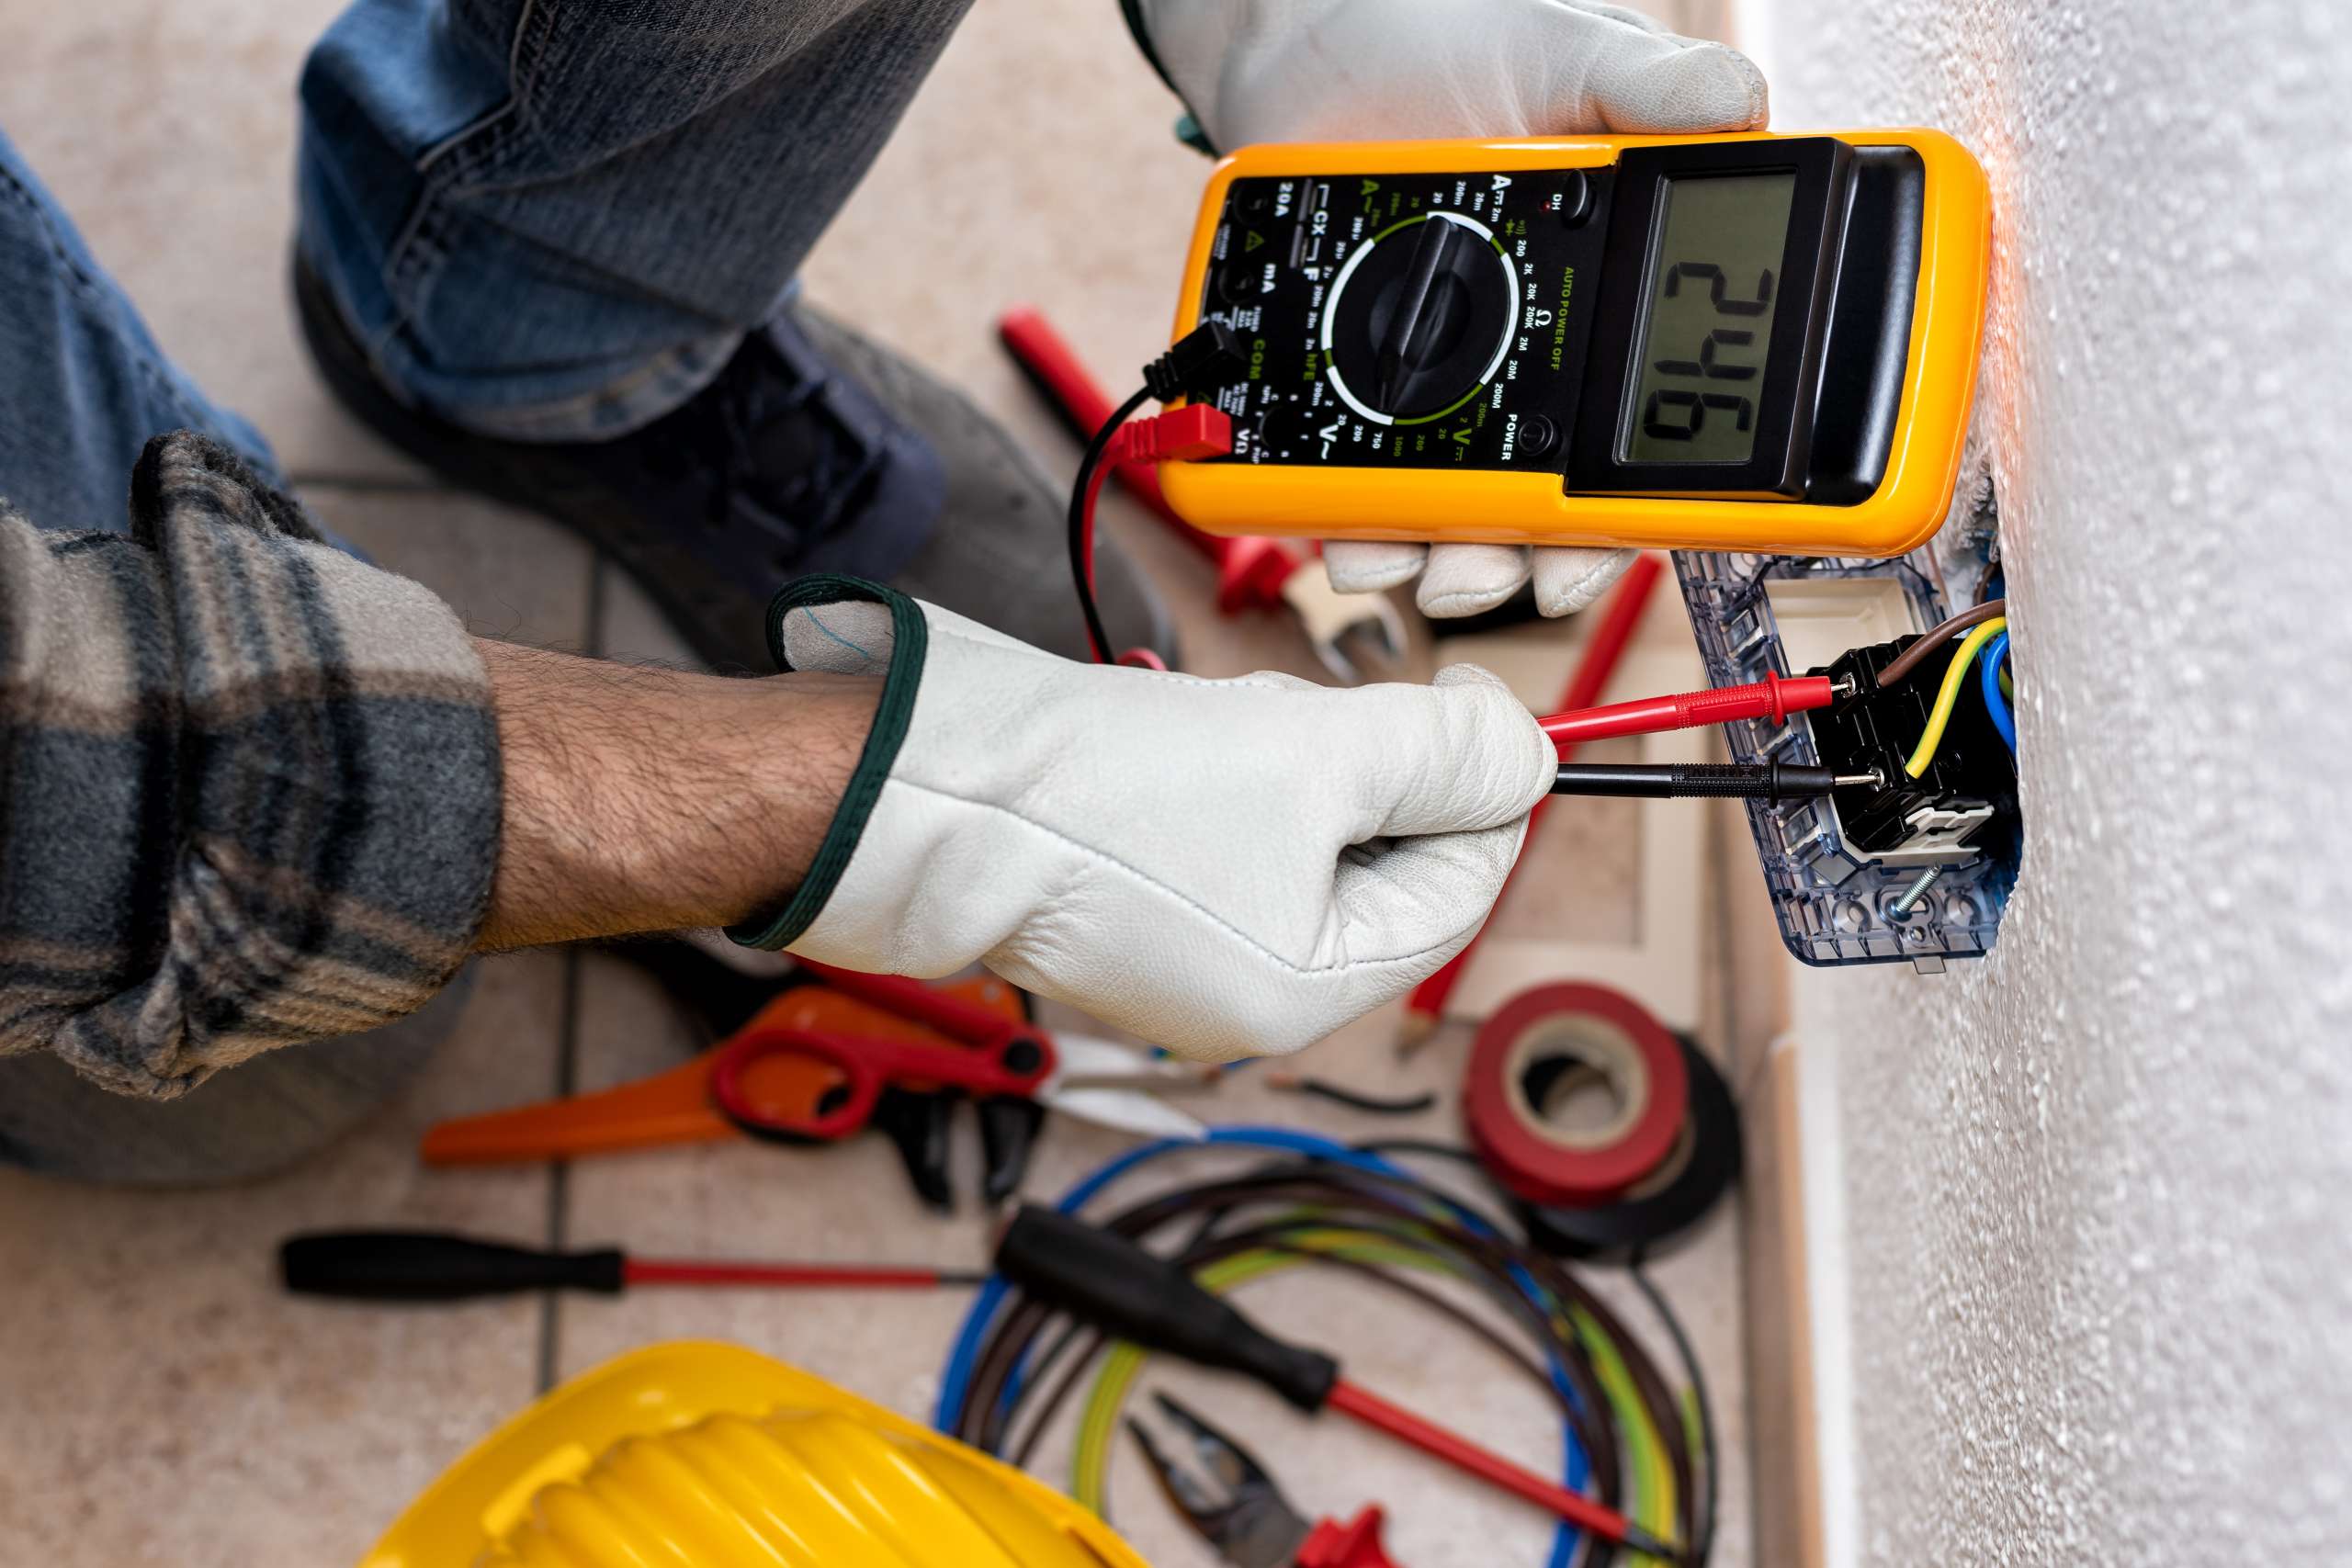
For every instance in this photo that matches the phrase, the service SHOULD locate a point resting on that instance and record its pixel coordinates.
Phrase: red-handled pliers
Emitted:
(996, 1058)
(1249, 1521)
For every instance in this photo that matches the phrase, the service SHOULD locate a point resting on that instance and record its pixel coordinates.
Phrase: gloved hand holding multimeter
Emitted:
(1634, 332)
(1540, 352)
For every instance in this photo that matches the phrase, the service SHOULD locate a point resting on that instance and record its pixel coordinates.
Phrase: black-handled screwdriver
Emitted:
(435, 1266)
(1102, 1278)
(1740, 781)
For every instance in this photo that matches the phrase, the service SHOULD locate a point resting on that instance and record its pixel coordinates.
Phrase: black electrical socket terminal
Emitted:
(1967, 798)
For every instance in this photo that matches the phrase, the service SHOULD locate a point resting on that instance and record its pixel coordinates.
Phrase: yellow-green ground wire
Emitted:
(1948, 694)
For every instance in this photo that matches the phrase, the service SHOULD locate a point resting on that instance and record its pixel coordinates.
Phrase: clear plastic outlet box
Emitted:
(1836, 903)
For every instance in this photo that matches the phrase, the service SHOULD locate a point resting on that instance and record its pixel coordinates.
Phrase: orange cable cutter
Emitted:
(679, 1107)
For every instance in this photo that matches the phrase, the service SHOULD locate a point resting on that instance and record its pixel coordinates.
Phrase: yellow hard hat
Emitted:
(711, 1456)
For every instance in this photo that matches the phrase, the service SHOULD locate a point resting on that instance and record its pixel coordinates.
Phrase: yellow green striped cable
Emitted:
(1653, 1496)
(1098, 1426)
(1948, 694)
(1651, 1474)
(1694, 1439)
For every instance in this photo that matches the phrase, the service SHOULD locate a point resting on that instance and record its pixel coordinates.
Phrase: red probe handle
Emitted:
(1774, 697)
(1355, 1544)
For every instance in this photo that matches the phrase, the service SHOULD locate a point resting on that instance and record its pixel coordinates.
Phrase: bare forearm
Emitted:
(645, 799)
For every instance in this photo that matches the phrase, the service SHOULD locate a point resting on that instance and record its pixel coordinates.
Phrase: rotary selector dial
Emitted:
(1419, 319)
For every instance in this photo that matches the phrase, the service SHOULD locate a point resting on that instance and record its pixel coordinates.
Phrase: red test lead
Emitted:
(1774, 697)
(1195, 430)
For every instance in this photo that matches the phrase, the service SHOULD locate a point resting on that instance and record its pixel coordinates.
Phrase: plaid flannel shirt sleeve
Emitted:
(249, 786)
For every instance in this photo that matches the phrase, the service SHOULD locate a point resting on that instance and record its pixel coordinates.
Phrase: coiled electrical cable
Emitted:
(1017, 1363)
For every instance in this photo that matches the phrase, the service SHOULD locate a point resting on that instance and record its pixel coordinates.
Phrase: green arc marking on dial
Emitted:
(1424, 419)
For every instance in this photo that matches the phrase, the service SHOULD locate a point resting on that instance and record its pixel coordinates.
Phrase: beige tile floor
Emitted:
(164, 1403)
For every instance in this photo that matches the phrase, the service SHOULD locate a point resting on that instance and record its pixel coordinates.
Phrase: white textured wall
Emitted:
(2098, 1190)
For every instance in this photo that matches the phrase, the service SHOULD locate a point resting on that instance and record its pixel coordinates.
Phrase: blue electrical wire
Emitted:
(1988, 675)
(955, 1380)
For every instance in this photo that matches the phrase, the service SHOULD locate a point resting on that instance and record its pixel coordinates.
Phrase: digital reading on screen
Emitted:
(1708, 328)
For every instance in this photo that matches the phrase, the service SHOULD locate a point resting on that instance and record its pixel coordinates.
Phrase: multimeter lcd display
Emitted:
(1708, 327)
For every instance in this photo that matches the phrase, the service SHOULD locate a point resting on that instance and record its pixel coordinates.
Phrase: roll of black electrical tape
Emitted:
(1699, 1170)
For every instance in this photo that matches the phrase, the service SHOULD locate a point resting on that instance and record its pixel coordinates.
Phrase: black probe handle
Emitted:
(1672, 781)
(433, 1265)
(1102, 1278)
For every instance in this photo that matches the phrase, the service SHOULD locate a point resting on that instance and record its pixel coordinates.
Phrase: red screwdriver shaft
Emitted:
(839, 1275)
(1774, 697)
(1488, 1466)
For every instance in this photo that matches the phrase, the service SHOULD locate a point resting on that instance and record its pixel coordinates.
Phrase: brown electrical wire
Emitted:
(1052, 1401)
(1911, 657)
(1701, 1542)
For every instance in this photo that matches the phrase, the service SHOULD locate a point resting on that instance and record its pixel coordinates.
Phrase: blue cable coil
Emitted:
(955, 1380)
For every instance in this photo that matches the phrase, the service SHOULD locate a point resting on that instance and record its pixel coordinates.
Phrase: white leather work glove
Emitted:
(1375, 69)
(1226, 868)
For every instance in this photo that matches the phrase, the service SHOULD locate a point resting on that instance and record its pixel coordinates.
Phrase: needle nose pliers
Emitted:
(1242, 1514)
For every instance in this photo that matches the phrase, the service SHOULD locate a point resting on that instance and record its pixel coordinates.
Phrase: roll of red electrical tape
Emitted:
(1590, 1027)
(1665, 1207)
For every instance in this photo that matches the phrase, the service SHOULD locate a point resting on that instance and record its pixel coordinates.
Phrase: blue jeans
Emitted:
(555, 221)
(546, 221)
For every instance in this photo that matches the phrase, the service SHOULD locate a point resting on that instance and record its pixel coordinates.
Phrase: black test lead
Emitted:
(1742, 781)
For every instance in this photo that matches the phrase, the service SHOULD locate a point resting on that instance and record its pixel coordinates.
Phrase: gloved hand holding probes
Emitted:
(1226, 867)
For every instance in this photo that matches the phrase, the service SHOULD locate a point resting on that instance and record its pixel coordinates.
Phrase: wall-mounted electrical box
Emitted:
(1908, 869)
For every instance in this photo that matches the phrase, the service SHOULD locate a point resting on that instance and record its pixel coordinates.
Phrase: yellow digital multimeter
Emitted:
(1755, 342)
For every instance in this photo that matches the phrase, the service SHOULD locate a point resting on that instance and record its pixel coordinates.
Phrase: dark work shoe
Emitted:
(815, 449)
